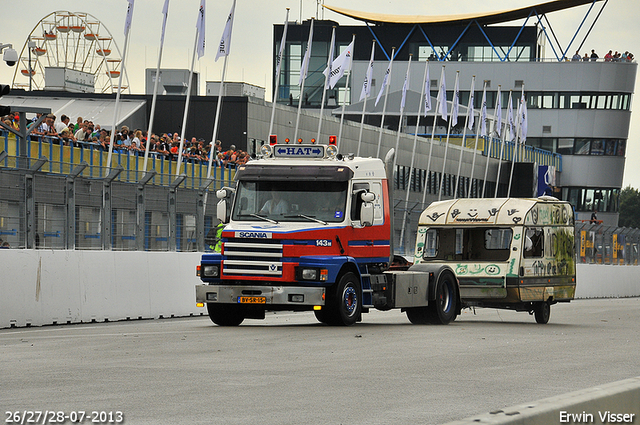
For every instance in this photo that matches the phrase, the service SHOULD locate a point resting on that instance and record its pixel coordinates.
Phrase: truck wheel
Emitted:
(418, 315)
(346, 302)
(542, 312)
(443, 309)
(225, 314)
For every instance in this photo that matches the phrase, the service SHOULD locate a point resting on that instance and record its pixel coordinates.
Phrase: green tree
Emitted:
(629, 208)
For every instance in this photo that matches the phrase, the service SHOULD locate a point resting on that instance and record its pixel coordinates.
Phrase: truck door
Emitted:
(356, 201)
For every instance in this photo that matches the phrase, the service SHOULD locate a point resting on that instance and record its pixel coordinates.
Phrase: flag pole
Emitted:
(303, 77)
(467, 123)
(165, 12)
(517, 143)
(413, 155)
(326, 81)
(497, 122)
(186, 109)
(502, 143)
(346, 90)
(456, 98)
(402, 103)
(366, 90)
(127, 27)
(223, 50)
(384, 104)
(217, 119)
(482, 128)
(442, 92)
(278, 65)
(199, 37)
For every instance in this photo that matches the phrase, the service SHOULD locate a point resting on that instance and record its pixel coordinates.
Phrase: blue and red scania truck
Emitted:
(307, 229)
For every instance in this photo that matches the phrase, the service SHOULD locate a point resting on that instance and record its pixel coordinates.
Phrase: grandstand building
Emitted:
(578, 110)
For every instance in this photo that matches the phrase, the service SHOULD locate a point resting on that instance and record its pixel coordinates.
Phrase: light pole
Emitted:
(31, 45)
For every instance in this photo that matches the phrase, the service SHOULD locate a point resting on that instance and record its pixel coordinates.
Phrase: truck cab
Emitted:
(305, 229)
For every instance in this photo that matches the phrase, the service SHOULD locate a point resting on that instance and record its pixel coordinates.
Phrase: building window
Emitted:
(582, 146)
(592, 199)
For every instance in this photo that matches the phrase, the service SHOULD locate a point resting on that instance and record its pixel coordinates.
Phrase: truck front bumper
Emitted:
(274, 295)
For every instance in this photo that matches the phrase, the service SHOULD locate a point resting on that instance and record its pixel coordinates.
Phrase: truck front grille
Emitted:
(252, 257)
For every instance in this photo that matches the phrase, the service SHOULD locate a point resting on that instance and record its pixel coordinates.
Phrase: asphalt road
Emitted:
(289, 369)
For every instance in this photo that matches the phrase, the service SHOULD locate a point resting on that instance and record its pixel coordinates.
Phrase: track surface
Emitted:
(289, 369)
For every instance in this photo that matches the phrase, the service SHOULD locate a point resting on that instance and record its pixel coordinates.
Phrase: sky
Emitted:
(250, 58)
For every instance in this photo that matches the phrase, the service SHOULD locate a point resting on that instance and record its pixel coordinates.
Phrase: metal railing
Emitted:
(62, 197)
(600, 244)
(62, 159)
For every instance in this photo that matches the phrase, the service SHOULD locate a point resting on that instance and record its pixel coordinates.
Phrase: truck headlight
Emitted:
(310, 274)
(210, 271)
(265, 150)
(313, 274)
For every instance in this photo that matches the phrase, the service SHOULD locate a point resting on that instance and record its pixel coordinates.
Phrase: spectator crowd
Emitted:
(609, 57)
(85, 134)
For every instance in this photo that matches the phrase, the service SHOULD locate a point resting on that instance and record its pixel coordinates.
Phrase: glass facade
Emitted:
(580, 146)
(587, 199)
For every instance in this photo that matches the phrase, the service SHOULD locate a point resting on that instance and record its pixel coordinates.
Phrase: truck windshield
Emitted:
(467, 244)
(318, 201)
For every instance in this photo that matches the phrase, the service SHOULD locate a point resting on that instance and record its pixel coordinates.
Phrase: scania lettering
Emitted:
(314, 233)
(259, 235)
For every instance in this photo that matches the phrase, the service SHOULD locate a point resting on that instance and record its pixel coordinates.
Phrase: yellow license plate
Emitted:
(252, 300)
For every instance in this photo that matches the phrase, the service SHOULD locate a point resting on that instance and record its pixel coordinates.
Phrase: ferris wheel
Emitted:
(75, 41)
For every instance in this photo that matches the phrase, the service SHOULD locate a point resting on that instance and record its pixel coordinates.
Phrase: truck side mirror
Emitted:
(221, 211)
(366, 209)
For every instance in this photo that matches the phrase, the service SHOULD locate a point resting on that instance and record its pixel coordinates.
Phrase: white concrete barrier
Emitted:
(617, 402)
(42, 287)
(605, 281)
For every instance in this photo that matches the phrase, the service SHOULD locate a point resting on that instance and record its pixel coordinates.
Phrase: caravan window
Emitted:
(468, 244)
(533, 243)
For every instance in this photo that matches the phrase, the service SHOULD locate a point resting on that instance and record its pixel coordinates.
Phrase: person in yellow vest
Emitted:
(214, 238)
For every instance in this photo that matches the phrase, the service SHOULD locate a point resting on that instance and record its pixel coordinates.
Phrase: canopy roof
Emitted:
(482, 18)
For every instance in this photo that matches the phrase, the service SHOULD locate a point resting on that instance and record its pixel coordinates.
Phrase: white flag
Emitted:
(523, 117)
(340, 65)
(165, 12)
(307, 55)
(483, 112)
(456, 102)
(282, 44)
(385, 80)
(225, 41)
(442, 96)
(330, 58)
(201, 29)
(470, 111)
(427, 93)
(498, 113)
(510, 122)
(404, 86)
(127, 20)
(366, 86)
